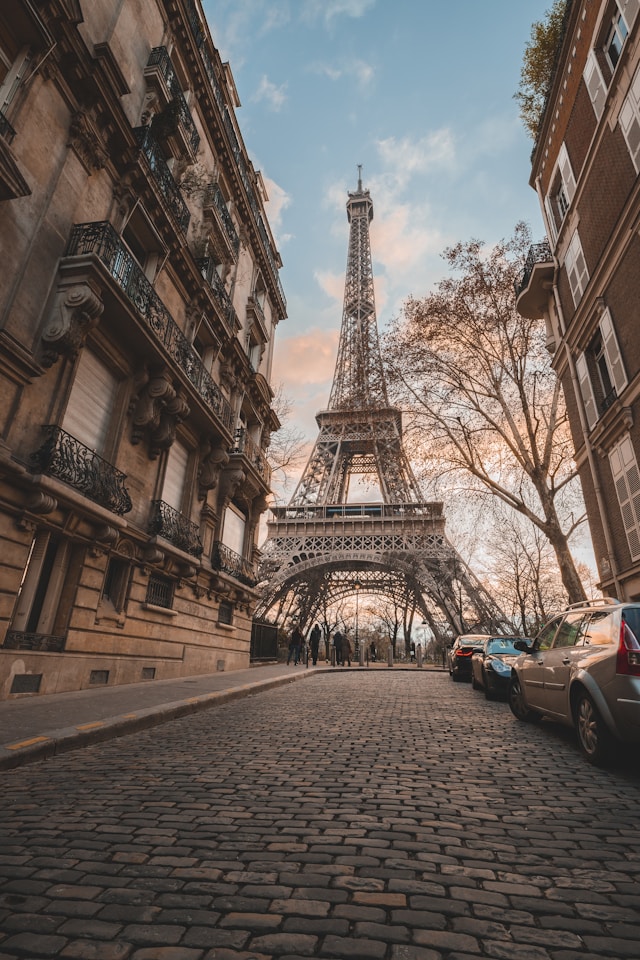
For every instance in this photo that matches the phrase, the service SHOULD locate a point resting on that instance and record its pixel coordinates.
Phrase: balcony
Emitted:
(12, 182)
(174, 527)
(163, 177)
(534, 285)
(256, 313)
(249, 449)
(65, 458)
(226, 239)
(207, 267)
(102, 241)
(228, 561)
(174, 122)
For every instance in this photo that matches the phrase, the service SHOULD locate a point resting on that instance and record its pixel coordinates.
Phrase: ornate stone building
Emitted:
(138, 303)
(584, 279)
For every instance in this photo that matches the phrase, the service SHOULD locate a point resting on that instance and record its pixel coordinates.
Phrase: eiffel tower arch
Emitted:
(326, 545)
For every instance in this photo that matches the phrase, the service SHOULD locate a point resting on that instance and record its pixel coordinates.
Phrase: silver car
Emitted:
(583, 669)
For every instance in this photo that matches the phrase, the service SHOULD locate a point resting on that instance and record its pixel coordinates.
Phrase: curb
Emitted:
(49, 745)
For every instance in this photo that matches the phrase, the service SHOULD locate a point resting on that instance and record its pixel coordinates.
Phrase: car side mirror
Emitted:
(523, 645)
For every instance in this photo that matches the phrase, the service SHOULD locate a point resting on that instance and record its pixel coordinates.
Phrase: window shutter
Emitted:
(595, 84)
(551, 220)
(612, 352)
(629, 10)
(566, 172)
(624, 469)
(630, 127)
(576, 268)
(175, 476)
(588, 398)
(90, 403)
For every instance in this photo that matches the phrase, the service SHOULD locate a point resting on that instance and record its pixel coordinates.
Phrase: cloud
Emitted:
(306, 359)
(328, 10)
(404, 158)
(363, 72)
(331, 283)
(274, 96)
(277, 203)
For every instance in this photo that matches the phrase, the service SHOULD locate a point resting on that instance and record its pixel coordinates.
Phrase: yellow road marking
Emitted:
(89, 726)
(25, 743)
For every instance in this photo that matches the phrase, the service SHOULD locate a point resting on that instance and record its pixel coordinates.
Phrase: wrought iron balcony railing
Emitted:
(159, 58)
(538, 253)
(163, 176)
(207, 267)
(65, 458)
(228, 561)
(6, 130)
(101, 240)
(244, 445)
(173, 526)
(213, 198)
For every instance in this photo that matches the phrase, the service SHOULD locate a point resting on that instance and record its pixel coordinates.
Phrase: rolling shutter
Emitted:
(91, 403)
(175, 476)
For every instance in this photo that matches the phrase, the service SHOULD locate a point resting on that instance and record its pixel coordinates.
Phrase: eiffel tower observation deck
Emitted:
(325, 545)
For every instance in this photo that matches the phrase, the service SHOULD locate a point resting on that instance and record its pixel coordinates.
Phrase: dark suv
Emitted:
(583, 669)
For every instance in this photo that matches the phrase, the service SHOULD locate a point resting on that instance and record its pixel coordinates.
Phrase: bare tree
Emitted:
(286, 450)
(477, 378)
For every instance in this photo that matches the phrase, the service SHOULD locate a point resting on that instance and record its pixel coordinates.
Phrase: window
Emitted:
(546, 635)
(144, 243)
(576, 266)
(175, 476)
(624, 469)
(225, 613)
(561, 192)
(630, 121)
(601, 372)
(116, 582)
(569, 633)
(48, 586)
(615, 39)
(91, 401)
(233, 530)
(160, 592)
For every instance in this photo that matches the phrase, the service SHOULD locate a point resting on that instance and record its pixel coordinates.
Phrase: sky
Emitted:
(420, 93)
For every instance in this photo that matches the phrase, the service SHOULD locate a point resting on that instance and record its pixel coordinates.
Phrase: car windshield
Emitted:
(502, 645)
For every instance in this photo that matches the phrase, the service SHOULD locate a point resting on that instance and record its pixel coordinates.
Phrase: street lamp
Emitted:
(356, 652)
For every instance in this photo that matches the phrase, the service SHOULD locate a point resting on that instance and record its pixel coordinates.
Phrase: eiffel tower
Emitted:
(325, 545)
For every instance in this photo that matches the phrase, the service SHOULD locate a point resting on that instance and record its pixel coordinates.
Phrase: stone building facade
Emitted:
(585, 277)
(139, 298)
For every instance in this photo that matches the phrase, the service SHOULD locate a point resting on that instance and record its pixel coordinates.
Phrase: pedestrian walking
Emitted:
(346, 651)
(337, 646)
(314, 643)
(295, 644)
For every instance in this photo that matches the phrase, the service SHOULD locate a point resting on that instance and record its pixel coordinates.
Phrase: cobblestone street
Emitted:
(388, 815)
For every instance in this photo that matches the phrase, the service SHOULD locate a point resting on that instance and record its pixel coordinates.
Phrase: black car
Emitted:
(491, 665)
(460, 655)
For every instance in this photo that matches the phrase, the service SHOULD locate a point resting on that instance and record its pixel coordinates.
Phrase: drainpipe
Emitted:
(593, 466)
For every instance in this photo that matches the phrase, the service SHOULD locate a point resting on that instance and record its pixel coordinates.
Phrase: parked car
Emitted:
(460, 652)
(583, 669)
(491, 665)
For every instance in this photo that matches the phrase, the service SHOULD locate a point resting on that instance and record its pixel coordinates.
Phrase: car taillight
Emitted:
(628, 659)
(463, 653)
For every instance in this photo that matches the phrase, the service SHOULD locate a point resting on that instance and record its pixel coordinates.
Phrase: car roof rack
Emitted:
(598, 602)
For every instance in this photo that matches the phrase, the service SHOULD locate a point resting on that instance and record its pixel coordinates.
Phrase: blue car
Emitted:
(491, 665)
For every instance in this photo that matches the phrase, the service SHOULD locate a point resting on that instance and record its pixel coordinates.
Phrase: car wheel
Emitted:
(594, 738)
(455, 677)
(518, 705)
(488, 692)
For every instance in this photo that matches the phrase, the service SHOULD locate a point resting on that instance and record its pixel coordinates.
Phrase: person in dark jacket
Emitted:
(295, 644)
(314, 643)
(337, 646)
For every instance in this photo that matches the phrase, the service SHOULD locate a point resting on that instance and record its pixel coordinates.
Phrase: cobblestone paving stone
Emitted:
(374, 816)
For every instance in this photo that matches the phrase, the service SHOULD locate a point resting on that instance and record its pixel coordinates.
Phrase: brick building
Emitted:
(585, 278)
(138, 303)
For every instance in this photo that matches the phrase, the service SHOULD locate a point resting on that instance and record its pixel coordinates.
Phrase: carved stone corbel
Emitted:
(158, 410)
(76, 311)
(230, 482)
(86, 142)
(213, 457)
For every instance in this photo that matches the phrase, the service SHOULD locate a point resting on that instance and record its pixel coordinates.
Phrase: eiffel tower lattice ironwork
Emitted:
(324, 546)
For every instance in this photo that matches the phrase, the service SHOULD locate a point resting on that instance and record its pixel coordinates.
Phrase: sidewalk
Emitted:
(34, 728)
